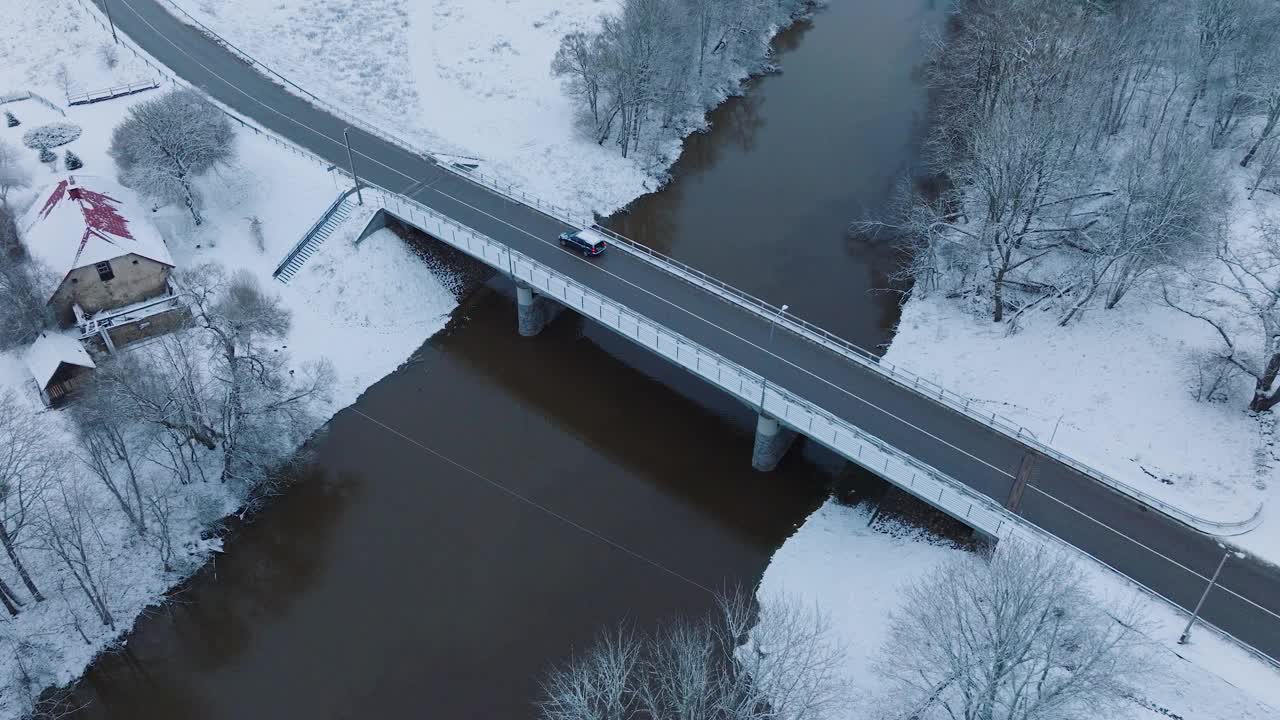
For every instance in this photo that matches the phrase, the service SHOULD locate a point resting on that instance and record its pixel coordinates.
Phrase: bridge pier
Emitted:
(772, 441)
(533, 312)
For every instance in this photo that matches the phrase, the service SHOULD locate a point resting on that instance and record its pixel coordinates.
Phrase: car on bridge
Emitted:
(590, 242)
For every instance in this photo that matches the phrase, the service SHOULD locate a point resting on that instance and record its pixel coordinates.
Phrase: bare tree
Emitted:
(266, 409)
(1262, 87)
(1219, 25)
(1014, 635)
(113, 447)
(1268, 167)
(633, 78)
(29, 463)
(166, 385)
(1165, 206)
(165, 143)
(737, 664)
(71, 534)
(791, 666)
(580, 63)
(13, 175)
(1238, 296)
(599, 684)
(9, 598)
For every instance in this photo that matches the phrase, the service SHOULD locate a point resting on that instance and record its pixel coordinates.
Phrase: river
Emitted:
(535, 490)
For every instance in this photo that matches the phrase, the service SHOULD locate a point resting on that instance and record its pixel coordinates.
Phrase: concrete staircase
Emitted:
(311, 241)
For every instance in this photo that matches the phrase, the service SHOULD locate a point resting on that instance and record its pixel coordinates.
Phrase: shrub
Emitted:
(10, 120)
(51, 135)
(108, 55)
(72, 161)
(47, 156)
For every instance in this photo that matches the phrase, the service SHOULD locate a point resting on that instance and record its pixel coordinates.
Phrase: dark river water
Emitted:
(534, 490)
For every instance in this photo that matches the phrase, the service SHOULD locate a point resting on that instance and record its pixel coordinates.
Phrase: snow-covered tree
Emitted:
(71, 533)
(1015, 635)
(72, 161)
(10, 120)
(113, 446)
(24, 311)
(265, 409)
(29, 464)
(164, 144)
(13, 175)
(1237, 294)
(701, 669)
(653, 61)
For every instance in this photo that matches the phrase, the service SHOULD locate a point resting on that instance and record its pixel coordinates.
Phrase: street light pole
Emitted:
(106, 7)
(351, 161)
(773, 322)
(1186, 632)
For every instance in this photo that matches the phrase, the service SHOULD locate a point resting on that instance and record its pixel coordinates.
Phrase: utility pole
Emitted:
(1186, 632)
(351, 161)
(106, 7)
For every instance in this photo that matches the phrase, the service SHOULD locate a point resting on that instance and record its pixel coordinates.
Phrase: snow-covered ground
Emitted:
(854, 573)
(469, 77)
(366, 308)
(1115, 390)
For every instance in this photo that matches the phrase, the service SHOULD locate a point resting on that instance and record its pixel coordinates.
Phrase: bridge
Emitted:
(800, 379)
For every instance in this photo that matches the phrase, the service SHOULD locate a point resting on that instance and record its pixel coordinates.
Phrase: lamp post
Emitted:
(351, 161)
(773, 322)
(1186, 632)
(106, 8)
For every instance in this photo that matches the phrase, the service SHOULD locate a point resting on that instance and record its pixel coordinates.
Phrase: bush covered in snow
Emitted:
(10, 120)
(73, 161)
(47, 156)
(51, 136)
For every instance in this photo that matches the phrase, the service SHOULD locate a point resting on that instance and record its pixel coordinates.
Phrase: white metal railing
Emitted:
(901, 376)
(919, 479)
(921, 386)
(92, 96)
(915, 477)
(28, 95)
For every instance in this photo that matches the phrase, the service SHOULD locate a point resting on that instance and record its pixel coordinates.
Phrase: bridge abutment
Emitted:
(772, 442)
(533, 311)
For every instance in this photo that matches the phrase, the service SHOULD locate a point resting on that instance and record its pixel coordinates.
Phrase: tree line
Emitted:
(655, 66)
(1088, 150)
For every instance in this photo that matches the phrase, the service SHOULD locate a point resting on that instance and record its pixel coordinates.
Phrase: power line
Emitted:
(536, 505)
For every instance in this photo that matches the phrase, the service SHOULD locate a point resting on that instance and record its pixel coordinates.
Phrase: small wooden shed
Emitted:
(58, 363)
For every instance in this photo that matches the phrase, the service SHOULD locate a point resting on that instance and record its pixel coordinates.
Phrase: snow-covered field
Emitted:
(366, 308)
(854, 573)
(469, 77)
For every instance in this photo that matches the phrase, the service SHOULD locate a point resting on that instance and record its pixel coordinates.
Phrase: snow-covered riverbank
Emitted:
(471, 78)
(855, 572)
(1116, 389)
(365, 308)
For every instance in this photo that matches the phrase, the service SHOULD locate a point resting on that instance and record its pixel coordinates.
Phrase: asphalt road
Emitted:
(1158, 551)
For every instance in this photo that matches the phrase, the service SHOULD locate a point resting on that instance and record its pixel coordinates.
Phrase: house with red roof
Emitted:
(97, 249)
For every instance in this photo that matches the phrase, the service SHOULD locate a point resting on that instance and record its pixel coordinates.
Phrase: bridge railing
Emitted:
(899, 375)
(920, 479)
(905, 378)
(816, 423)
